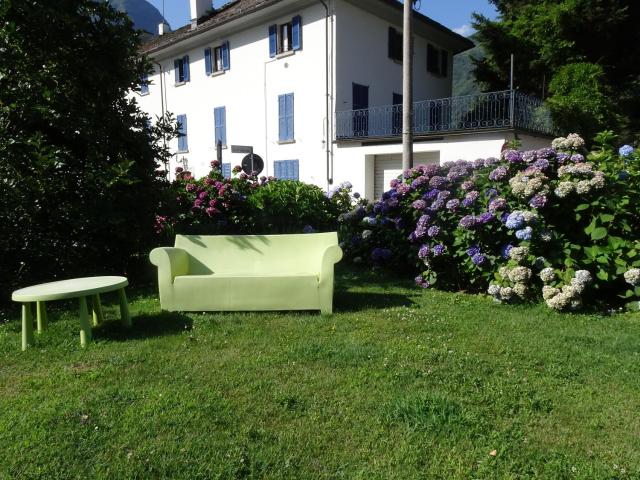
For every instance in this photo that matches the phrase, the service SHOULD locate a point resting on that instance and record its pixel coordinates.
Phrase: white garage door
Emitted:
(388, 167)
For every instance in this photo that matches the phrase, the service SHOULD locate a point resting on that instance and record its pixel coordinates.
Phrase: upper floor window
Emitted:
(285, 37)
(395, 44)
(144, 84)
(181, 69)
(437, 61)
(217, 59)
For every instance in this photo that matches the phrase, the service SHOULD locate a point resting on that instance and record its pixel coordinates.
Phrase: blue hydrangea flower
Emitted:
(473, 250)
(308, 229)
(439, 249)
(524, 234)
(504, 251)
(479, 259)
(515, 220)
(625, 150)
(423, 252)
(433, 231)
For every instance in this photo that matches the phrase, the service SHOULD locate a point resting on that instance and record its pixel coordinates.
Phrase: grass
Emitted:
(398, 383)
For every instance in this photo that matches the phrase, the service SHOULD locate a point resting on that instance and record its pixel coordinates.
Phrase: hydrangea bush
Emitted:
(555, 224)
(248, 204)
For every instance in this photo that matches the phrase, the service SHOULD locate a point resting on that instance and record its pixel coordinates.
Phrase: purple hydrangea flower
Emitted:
(198, 203)
(491, 192)
(437, 205)
(421, 282)
(470, 198)
(538, 201)
(479, 259)
(437, 182)
(562, 158)
(468, 222)
(444, 194)
(547, 153)
(419, 204)
(625, 150)
(504, 251)
(497, 204)
(529, 156)
(190, 187)
(512, 156)
(467, 185)
(541, 164)
(577, 158)
(498, 174)
(479, 163)
(439, 249)
(422, 226)
(419, 182)
(490, 161)
(402, 189)
(423, 252)
(486, 217)
(433, 231)
(408, 173)
(394, 183)
(431, 194)
(473, 250)
(453, 204)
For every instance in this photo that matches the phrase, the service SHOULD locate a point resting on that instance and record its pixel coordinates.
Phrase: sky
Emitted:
(455, 14)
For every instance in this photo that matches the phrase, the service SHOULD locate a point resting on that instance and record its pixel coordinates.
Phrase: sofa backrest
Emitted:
(255, 254)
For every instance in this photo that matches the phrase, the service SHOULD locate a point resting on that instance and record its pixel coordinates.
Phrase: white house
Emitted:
(314, 86)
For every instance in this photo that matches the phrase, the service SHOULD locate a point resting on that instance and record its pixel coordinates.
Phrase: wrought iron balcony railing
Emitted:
(486, 111)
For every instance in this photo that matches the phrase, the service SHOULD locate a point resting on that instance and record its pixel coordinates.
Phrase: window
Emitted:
(286, 169)
(285, 118)
(437, 61)
(360, 99)
(395, 44)
(285, 37)
(217, 59)
(226, 170)
(144, 84)
(183, 145)
(181, 69)
(220, 122)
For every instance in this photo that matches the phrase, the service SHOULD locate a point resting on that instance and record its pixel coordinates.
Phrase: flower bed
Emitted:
(547, 224)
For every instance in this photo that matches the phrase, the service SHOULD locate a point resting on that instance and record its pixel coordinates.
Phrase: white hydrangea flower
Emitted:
(520, 274)
(632, 276)
(574, 141)
(583, 187)
(494, 290)
(366, 234)
(559, 143)
(504, 272)
(529, 217)
(546, 236)
(560, 301)
(583, 276)
(519, 254)
(547, 275)
(506, 293)
(577, 285)
(576, 304)
(549, 292)
(570, 291)
(598, 181)
(520, 289)
(564, 189)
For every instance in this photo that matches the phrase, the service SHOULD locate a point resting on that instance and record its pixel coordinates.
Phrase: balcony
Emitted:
(507, 109)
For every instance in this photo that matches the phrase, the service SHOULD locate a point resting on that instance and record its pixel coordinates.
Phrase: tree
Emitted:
(548, 35)
(78, 187)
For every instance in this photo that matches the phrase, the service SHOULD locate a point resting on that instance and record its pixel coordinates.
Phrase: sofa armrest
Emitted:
(171, 262)
(331, 256)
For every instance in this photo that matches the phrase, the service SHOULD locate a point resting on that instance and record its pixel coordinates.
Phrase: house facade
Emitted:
(315, 88)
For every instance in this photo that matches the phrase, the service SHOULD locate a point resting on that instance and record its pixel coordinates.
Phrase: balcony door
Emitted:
(360, 96)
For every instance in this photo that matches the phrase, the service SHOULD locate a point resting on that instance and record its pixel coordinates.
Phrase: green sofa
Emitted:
(248, 272)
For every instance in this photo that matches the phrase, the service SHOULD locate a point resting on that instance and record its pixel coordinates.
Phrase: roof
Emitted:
(238, 8)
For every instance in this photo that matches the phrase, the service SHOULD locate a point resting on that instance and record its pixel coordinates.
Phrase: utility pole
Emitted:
(407, 86)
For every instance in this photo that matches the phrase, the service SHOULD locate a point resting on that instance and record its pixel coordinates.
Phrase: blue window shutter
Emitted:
(296, 172)
(282, 119)
(183, 145)
(186, 68)
(290, 133)
(277, 169)
(176, 69)
(226, 170)
(207, 61)
(225, 56)
(273, 40)
(220, 120)
(144, 84)
(296, 34)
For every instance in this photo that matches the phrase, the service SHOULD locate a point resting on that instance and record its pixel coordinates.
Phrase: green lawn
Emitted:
(398, 383)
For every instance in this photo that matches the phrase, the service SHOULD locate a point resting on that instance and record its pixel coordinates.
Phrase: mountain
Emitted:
(144, 15)
(464, 82)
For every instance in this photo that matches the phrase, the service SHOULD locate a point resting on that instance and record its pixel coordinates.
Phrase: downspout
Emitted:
(266, 119)
(162, 109)
(329, 137)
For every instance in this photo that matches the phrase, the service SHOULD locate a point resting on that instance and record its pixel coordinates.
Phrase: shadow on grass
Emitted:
(346, 301)
(145, 326)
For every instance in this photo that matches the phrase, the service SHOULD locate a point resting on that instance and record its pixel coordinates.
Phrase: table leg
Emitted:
(27, 326)
(98, 316)
(124, 308)
(41, 314)
(85, 325)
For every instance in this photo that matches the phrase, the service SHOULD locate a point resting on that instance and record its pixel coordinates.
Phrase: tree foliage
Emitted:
(546, 36)
(77, 177)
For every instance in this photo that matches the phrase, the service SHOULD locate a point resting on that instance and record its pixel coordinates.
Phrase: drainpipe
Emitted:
(162, 109)
(329, 137)
(266, 119)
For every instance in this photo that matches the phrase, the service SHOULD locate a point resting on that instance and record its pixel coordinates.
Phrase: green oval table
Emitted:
(80, 288)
